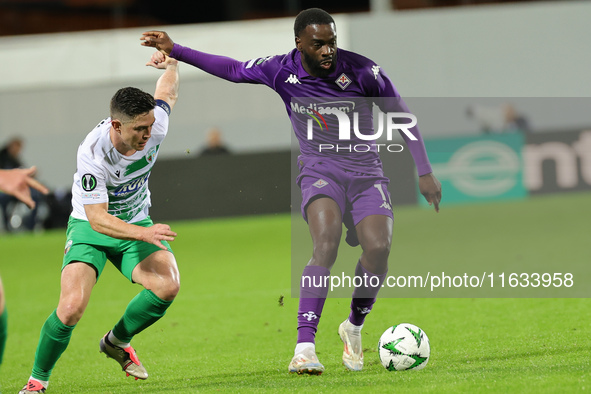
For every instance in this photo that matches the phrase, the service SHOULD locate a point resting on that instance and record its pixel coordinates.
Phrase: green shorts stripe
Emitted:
(89, 246)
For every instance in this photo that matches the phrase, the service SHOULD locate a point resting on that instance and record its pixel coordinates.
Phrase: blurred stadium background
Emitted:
(460, 65)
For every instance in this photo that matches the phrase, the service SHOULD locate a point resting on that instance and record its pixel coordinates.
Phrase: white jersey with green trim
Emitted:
(105, 175)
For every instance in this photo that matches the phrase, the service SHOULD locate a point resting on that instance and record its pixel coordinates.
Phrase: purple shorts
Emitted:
(358, 195)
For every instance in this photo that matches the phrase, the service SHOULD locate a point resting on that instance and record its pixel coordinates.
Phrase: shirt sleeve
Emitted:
(389, 100)
(161, 113)
(93, 187)
(256, 71)
(163, 105)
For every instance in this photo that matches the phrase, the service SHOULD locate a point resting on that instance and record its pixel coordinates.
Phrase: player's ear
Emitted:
(298, 43)
(116, 123)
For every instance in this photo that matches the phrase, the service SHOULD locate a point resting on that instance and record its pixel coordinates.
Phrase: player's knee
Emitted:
(326, 250)
(70, 312)
(168, 287)
(378, 250)
(173, 288)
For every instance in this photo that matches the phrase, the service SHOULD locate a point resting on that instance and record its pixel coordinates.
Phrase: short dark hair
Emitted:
(311, 16)
(130, 102)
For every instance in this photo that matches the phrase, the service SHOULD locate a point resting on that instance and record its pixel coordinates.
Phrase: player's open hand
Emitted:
(157, 233)
(430, 188)
(161, 61)
(157, 39)
(17, 183)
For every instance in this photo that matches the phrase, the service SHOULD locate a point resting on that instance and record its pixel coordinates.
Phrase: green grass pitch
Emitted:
(226, 331)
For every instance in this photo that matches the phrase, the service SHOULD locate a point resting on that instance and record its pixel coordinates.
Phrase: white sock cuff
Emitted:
(353, 327)
(303, 345)
(113, 339)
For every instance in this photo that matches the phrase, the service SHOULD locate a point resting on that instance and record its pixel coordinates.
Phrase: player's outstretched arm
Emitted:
(430, 188)
(159, 40)
(167, 86)
(220, 66)
(103, 222)
(17, 182)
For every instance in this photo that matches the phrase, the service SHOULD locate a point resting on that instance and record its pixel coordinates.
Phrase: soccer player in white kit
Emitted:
(110, 199)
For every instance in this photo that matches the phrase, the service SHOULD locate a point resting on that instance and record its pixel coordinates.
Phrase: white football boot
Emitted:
(353, 351)
(306, 362)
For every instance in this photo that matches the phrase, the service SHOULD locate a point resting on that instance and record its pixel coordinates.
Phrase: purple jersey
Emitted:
(354, 79)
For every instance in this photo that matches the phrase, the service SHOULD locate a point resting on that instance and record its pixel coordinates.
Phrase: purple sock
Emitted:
(313, 291)
(365, 296)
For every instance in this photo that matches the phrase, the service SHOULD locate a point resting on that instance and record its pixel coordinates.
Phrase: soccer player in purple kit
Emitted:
(337, 188)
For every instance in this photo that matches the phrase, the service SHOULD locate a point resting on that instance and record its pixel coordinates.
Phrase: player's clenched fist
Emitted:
(157, 39)
(161, 61)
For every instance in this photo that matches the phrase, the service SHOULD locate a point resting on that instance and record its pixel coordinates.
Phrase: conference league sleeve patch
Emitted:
(93, 189)
(88, 182)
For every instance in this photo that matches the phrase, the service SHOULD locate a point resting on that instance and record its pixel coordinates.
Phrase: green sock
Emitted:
(144, 310)
(54, 339)
(3, 332)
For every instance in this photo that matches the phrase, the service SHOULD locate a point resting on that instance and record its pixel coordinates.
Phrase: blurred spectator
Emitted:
(10, 159)
(59, 203)
(515, 121)
(215, 144)
(9, 154)
(498, 119)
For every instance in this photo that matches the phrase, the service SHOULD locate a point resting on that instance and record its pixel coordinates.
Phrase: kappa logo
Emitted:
(310, 316)
(376, 70)
(320, 183)
(387, 202)
(88, 182)
(364, 311)
(293, 79)
(343, 81)
(386, 205)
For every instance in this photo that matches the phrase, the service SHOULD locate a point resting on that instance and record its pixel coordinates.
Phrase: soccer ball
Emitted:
(404, 346)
